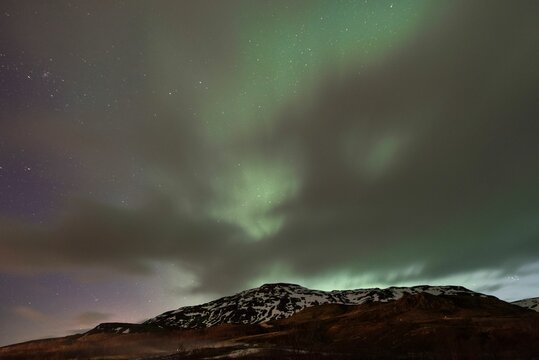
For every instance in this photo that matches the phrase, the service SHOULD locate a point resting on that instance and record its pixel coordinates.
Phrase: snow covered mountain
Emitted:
(389, 323)
(281, 300)
(531, 303)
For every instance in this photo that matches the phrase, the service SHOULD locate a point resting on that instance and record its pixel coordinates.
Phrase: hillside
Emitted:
(298, 323)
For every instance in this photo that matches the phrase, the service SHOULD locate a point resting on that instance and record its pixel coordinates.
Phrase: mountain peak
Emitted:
(280, 284)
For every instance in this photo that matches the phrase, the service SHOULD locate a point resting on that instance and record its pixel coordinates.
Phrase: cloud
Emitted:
(119, 238)
(30, 313)
(452, 191)
(448, 124)
(89, 318)
(426, 160)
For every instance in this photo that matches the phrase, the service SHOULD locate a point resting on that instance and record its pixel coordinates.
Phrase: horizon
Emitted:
(160, 154)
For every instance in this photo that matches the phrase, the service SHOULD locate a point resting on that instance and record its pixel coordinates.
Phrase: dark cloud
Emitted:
(457, 196)
(460, 183)
(427, 158)
(118, 238)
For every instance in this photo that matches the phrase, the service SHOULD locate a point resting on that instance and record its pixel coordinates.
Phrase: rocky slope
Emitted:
(281, 300)
(420, 325)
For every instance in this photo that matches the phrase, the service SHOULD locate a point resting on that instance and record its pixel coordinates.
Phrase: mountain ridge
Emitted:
(274, 301)
(454, 323)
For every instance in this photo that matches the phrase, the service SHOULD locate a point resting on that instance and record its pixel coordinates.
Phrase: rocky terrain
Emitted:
(281, 300)
(280, 321)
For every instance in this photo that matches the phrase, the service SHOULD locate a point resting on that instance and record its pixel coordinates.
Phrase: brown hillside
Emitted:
(415, 326)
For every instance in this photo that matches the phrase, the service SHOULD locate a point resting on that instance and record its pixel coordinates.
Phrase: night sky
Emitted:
(155, 154)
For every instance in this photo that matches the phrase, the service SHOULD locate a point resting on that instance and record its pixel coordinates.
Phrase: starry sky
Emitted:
(156, 154)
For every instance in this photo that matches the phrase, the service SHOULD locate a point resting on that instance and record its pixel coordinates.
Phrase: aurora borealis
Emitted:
(155, 154)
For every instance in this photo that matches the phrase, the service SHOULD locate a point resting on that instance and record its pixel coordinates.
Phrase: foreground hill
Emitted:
(398, 323)
(416, 326)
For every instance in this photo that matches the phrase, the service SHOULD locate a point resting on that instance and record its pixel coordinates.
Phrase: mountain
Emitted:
(277, 301)
(531, 303)
(414, 326)
(396, 323)
(287, 321)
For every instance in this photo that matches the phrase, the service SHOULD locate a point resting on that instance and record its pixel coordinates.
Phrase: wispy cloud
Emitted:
(30, 313)
(89, 318)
